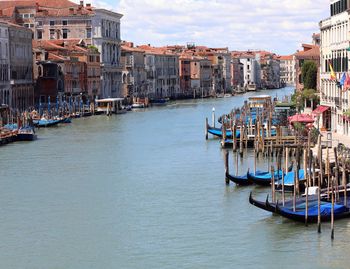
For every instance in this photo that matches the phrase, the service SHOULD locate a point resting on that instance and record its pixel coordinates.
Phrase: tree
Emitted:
(309, 75)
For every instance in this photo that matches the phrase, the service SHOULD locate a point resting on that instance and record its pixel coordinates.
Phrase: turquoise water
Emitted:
(145, 190)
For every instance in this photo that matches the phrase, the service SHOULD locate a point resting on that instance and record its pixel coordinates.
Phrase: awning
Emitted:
(304, 118)
(320, 110)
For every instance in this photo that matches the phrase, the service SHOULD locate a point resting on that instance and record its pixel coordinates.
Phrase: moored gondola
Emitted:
(239, 180)
(262, 205)
(340, 211)
(263, 178)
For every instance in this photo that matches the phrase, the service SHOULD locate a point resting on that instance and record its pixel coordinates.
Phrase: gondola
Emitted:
(289, 181)
(340, 211)
(262, 205)
(218, 132)
(239, 180)
(26, 133)
(287, 211)
(263, 178)
(46, 123)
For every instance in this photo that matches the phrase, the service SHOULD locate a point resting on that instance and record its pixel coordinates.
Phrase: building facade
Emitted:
(106, 37)
(333, 50)
(5, 89)
(287, 66)
(21, 67)
(134, 81)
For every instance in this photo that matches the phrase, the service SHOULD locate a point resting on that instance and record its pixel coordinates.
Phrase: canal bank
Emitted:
(144, 190)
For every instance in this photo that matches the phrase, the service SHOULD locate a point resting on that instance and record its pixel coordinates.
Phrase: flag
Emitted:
(342, 80)
(346, 83)
(333, 76)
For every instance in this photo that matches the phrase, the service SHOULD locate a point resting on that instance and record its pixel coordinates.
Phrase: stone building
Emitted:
(334, 51)
(236, 73)
(5, 88)
(21, 67)
(51, 20)
(309, 53)
(185, 76)
(162, 69)
(201, 76)
(287, 65)
(133, 71)
(69, 67)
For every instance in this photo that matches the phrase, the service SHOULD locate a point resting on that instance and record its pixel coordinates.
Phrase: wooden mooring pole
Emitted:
(226, 167)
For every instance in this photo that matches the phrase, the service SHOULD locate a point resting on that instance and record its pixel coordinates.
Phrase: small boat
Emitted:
(340, 211)
(218, 132)
(262, 205)
(26, 133)
(46, 122)
(287, 211)
(138, 105)
(289, 181)
(240, 180)
(263, 178)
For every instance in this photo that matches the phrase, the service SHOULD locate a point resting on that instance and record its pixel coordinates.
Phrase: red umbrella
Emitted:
(302, 118)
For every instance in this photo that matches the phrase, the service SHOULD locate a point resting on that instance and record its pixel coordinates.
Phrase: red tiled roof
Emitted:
(42, 3)
(286, 57)
(309, 51)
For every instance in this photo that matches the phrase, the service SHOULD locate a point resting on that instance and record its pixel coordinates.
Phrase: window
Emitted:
(64, 22)
(52, 23)
(88, 33)
(25, 16)
(52, 34)
(65, 33)
(39, 23)
(31, 15)
(39, 35)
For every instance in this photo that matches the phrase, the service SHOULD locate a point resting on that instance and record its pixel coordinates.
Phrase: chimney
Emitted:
(88, 5)
(71, 10)
(81, 3)
(1, 12)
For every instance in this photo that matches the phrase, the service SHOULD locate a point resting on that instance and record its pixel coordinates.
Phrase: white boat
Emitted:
(251, 87)
(138, 105)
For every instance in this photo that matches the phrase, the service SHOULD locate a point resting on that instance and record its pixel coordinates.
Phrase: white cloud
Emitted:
(275, 25)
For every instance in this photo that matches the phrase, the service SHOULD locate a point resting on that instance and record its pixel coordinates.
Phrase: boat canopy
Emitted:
(109, 100)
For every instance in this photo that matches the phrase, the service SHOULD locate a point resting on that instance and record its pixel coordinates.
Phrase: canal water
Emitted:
(145, 190)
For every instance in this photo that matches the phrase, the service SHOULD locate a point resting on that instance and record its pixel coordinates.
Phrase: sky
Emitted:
(280, 26)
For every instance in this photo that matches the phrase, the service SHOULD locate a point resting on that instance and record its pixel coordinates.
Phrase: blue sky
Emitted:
(275, 25)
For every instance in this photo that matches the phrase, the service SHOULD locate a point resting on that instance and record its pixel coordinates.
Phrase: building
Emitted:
(67, 68)
(134, 72)
(251, 70)
(5, 88)
(105, 35)
(201, 77)
(309, 53)
(237, 75)
(185, 76)
(21, 67)
(162, 69)
(270, 71)
(56, 20)
(287, 66)
(333, 50)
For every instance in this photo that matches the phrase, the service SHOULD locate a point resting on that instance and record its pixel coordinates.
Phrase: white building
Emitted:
(287, 70)
(106, 37)
(251, 71)
(333, 50)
